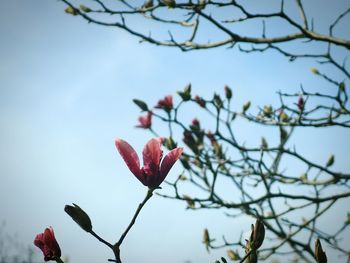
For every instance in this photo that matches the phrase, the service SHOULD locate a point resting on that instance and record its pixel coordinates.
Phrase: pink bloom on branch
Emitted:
(47, 243)
(153, 173)
(145, 122)
(166, 103)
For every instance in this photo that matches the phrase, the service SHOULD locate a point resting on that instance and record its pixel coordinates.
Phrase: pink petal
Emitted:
(51, 243)
(169, 161)
(152, 155)
(129, 156)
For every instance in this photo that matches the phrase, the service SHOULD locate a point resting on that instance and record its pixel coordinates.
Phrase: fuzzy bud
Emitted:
(186, 94)
(330, 161)
(246, 106)
(315, 71)
(228, 92)
(321, 256)
(71, 10)
(85, 9)
(79, 216)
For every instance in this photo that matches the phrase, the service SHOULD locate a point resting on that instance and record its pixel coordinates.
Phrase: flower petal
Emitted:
(152, 155)
(51, 243)
(130, 157)
(169, 161)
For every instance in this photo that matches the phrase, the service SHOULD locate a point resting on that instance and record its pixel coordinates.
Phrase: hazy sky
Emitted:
(66, 90)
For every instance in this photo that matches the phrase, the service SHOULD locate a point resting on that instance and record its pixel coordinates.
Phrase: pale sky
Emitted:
(66, 90)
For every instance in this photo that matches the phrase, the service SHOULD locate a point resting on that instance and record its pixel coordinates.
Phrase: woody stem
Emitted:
(116, 246)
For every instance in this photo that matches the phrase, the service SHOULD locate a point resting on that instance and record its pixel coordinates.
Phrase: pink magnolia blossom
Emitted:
(47, 243)
(166, 103)
(145, 122)
(153, 173)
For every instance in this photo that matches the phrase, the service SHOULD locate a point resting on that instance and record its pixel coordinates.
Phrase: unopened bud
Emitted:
(300, 103)
(347, 221)
(267, 110)
(264, 144)
(186, 94)
(315, 71)
(70, 10)
(169, 143)
(200, 101)
(232, 255)
(217, 101)
(321, 256)
(342, 86)
(283, 117)
(189, 201)
(246, 106)
(330, 161)
(258, 234)
(206, 238)
(85, 9)
(228, 92)
(79, 216)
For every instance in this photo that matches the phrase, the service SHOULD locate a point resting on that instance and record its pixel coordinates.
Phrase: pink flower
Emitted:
(145, 121)
(47, 243)
(166, 103)
(152, 174)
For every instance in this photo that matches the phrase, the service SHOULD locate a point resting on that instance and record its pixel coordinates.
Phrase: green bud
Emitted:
(169, 143)
(267, 110)
(142, 105)
(264, 144)
(79, 216)
(246, 106)
(85, 9)
(347, 221)
(321, 256)
(189, 201)
(186, 94)
(223, 260)
(330, 161)
(232, 255)
(342, 86)
(148, 4)
(228, 92)
(70, 10)
(315, 71)
(283, 117)
(258, 234)
(217, 101)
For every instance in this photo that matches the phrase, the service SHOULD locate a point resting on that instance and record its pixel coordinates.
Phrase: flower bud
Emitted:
(189, 201)
(186, 94)
(232, 255)
(330, 161)
(283, 117)
(206, 238)
(79, 216)
(258, 234)
(301, 103)
(246, 106)
(169, 143)
(267, 110)
(315, 71)
(85, 9)
(264, 144)
(342, 86)
(321, 256)
(70, 10)
(228, 92)
(200, 101)
(217, 101)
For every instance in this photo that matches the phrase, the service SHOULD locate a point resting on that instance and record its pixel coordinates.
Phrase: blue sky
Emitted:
(66, 90)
